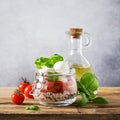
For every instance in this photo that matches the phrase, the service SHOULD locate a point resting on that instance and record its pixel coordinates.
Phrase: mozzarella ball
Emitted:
(61, 67)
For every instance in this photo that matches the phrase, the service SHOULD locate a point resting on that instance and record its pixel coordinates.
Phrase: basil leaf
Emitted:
(32, 107)
(86, 87)
(83, 89)
(100, 100)
(49, 62)
(42, 61)
(89, 81)
(52, 78)
(88, 92)
(83, 101)
(55, 58)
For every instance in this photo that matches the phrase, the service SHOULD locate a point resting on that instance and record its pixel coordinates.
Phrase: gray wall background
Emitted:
(33, 28)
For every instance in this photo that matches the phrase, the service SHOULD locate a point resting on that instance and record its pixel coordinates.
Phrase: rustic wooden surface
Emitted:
(10, 111)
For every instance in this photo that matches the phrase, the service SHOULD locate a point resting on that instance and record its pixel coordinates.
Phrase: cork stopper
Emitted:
(76, 32)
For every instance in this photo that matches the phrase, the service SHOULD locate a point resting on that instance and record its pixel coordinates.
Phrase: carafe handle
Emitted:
(86, 36)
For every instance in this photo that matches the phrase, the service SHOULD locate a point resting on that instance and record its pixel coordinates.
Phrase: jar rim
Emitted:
(53, 73)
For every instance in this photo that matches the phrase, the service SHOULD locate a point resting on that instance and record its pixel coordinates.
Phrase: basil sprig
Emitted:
(49, 62)
(86, 87)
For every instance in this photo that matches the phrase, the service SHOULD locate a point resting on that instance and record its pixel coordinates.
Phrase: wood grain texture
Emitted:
(10, 111)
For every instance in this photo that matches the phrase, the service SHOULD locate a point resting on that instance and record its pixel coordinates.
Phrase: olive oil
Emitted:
(80, 70)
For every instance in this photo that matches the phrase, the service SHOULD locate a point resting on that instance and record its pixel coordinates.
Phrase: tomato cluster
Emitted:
(59, 86)
(55, 87)
(24, 88)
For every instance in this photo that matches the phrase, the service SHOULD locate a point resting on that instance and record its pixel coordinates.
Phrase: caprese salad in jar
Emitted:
(55, 80)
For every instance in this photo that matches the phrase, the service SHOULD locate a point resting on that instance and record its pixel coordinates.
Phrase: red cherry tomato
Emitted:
(27, 91)
(58, 87)
(17, 97)
(55, 87)
(22, 86)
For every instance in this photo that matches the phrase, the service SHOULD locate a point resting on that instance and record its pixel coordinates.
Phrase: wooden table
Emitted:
(10, 111)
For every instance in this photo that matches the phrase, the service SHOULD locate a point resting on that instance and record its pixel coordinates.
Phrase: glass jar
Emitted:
(76, 58)
(55, 89)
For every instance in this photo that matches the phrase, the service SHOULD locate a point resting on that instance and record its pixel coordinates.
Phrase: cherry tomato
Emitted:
(27, 91)
(22, 86)
(17, 97)
(55, 87)
(58, 87)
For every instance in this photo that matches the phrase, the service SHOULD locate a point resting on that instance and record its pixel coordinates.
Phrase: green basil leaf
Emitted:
(86, 87)
(88, 92)
(83, 101)
(91, 94)
(55, 58)
(32, 107)
(89, 81)
(49, 62)
(42, 61)
(100, 100)
(88, 84)
(52, 78)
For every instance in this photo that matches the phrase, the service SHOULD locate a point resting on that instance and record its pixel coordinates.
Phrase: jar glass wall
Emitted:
(55, 89)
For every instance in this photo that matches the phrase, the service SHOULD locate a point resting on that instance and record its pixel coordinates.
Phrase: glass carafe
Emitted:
(75, 57)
